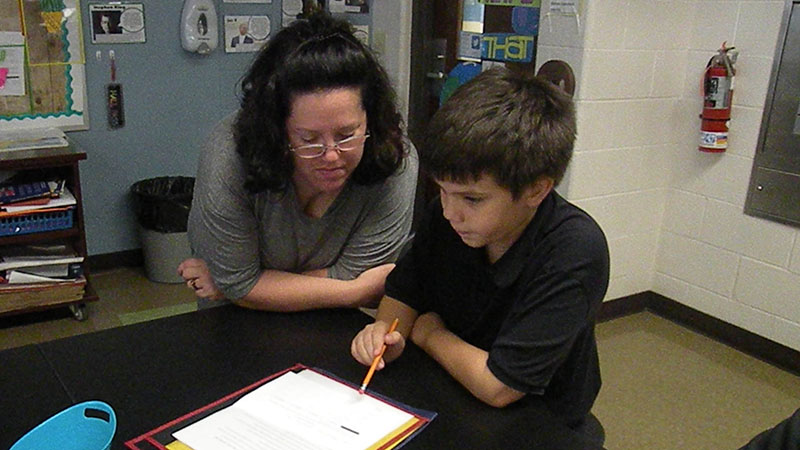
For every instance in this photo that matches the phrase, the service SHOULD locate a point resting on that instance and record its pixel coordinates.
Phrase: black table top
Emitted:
(154, 372)
(29, 392)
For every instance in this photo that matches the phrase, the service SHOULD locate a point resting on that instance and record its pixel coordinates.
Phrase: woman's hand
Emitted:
(368, 342)
(371, 284)
(198, 278)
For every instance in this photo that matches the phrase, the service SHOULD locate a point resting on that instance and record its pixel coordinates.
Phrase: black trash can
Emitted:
(162, 212)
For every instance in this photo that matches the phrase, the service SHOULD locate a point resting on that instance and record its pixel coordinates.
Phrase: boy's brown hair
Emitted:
(512, 126)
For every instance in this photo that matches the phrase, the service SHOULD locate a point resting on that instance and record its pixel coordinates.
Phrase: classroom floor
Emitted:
(664, 386)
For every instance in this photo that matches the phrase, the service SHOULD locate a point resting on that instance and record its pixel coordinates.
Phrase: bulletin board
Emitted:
(42, 65)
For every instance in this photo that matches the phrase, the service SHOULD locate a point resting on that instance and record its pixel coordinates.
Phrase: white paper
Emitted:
(563, 7)
(305, 410)
(348, 6)
(246, 33)
(361, 32)
(20, 277)
(22, 263)
(32, 138)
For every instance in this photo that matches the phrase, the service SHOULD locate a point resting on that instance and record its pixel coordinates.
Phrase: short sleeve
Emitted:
(385, 227)
(406, 283)
(547, 339)
(222, 225)
(537, 338)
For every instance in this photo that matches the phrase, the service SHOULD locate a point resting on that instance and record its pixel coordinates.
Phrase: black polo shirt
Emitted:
(533, 310)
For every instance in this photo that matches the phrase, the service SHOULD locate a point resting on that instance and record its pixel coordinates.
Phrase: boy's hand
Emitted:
(425, 325)
(197, 276)
(368, 342)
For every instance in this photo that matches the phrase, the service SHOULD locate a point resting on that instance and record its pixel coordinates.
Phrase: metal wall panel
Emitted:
(774, 191)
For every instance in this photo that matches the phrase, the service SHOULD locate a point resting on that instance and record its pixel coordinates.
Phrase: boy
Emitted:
(504, 278)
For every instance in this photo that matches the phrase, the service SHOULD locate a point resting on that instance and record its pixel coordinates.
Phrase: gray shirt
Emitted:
(239, 234)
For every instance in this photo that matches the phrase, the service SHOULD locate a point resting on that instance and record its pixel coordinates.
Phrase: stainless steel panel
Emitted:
(781, 149)
(775, 196)
(774, 190)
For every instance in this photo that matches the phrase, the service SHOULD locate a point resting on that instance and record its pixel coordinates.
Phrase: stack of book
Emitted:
(33, 206)
(40, 275)
(27, 139)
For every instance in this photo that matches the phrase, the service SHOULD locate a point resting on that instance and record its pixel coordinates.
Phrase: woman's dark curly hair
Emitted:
(310, 55)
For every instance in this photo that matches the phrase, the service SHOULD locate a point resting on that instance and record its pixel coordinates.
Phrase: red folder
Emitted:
(158, 438)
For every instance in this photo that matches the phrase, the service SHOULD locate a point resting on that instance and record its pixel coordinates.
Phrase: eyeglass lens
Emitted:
(345, 145)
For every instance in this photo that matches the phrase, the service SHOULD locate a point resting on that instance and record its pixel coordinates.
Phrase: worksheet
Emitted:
(300, 410)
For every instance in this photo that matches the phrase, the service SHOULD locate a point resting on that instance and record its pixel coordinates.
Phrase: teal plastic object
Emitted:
(86, 426)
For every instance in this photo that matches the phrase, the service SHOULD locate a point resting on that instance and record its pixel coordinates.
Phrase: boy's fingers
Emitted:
(359, 348)
(354, 349)
(393, 338)
(365, 351)
(375, 339)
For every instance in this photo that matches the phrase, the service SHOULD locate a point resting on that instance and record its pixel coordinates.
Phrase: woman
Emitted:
(305, 197)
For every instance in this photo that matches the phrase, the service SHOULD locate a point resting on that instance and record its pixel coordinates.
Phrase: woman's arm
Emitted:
(364, 262)
(386, 225)
(284, 291)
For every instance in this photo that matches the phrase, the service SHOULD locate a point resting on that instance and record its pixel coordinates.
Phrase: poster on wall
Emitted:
(522, 3)
(12, 63)
(116, 23)
(510, 33)
(290, 10)
(246, 33)
(349, 6)
(567, 7)
(469, 45)
(42, 69)
(361, 32)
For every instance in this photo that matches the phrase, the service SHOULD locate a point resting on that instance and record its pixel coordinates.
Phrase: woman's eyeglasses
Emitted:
(317, 150)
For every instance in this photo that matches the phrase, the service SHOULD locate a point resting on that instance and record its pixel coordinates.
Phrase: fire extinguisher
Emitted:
(717, 100)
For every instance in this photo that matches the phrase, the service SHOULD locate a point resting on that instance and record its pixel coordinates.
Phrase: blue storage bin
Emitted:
(86, 426)
(36, 223)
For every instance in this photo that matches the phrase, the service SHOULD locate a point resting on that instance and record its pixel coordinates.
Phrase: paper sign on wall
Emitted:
(246, 33)
(563, 6)
(525, 3)
(507, 47)
(115, 23)
(12, 63)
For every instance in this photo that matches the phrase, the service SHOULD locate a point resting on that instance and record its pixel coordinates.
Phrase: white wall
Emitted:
(391, 39)
(673, 215)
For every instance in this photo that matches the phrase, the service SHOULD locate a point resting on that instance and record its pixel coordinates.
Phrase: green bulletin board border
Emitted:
(78, 119)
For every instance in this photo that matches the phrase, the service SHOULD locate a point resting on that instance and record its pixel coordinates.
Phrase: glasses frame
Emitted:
(323, 148)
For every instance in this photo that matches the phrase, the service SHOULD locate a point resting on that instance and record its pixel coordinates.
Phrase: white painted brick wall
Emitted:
(673, 215)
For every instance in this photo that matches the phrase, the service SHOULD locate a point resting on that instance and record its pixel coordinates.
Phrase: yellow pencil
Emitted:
(375, 361)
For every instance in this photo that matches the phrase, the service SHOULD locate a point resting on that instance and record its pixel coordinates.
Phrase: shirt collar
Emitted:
(509, 267)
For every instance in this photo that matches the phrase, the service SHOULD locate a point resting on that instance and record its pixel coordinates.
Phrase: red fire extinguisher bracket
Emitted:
(717, 90)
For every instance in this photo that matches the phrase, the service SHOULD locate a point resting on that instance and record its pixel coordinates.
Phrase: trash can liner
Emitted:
(163, 203)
